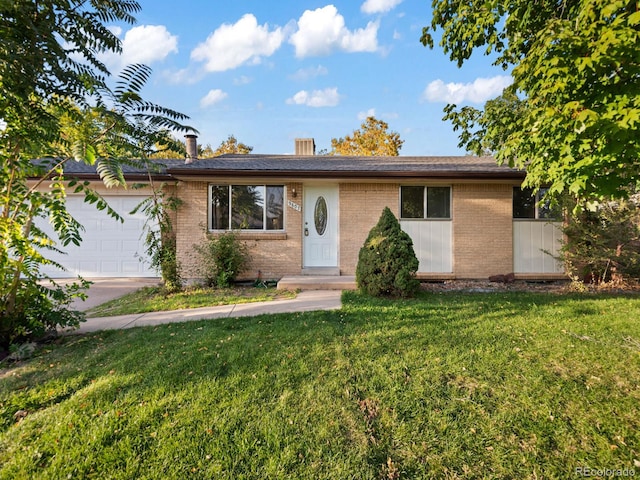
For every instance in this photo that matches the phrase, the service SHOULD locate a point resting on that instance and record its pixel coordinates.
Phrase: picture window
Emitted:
(246, 207)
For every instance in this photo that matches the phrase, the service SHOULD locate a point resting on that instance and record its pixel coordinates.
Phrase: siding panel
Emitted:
(432, 244)
(531, 242)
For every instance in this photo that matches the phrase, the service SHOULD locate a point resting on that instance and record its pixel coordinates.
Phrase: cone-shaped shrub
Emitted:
(387, 263)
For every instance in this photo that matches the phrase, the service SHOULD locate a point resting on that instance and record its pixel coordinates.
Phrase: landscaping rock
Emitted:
(508, 278)
(486, 286)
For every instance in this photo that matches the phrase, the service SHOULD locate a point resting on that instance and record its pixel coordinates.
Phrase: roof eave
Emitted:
(199, 174)
(134, 177)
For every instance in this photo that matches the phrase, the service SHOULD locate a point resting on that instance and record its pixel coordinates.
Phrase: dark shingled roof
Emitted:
(81, 170)
(235, 165)
(339, 166)
(81, 167)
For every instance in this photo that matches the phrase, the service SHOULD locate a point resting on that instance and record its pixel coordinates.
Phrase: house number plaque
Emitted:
(294, 205)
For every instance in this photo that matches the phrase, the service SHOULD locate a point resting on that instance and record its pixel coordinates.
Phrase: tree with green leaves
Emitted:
(572, 115)
(603, 244)
(372, 139)
(169, 150)
(159, 234)
(57, 106)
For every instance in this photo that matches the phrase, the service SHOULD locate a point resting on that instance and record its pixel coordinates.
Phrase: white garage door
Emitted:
(109, 248)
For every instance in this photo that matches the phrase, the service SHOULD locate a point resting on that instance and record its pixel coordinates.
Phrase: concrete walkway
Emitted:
(105, 289)
(306, 301)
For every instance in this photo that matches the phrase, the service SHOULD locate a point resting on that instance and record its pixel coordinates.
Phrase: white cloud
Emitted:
(322, 31)
(379, 6)
(143, 44)
(147, 44)
(481, 90)
(308, 73)
(186, 76)
(369, 113)
(117, 31)
(244, 42)
(213, 97)
(329, 97)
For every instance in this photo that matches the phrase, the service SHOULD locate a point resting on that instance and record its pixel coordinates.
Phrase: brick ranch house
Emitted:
(307, 214)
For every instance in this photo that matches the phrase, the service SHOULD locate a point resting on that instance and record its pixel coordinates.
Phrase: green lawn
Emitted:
(505, 385)
(154, 299)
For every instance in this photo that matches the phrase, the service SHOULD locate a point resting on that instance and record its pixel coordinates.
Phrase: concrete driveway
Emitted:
(104, 289)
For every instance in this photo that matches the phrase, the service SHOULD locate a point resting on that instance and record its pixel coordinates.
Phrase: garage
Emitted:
(109, 248)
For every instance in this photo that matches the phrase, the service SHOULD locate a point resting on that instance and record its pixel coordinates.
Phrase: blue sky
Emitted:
(269, 72)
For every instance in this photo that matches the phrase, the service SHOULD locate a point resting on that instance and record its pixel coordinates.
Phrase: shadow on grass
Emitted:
(430, 387)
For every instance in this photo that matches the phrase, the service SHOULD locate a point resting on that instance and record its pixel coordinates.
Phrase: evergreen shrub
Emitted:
(387, 263)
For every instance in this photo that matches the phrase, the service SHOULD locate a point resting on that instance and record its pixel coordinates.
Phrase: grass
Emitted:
(154, 299)
(505, 385)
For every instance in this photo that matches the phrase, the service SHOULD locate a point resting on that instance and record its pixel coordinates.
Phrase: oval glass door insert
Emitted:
(320, 215)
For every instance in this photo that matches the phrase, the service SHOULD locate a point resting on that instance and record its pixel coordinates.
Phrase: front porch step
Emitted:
(321, 271)
(318, 282)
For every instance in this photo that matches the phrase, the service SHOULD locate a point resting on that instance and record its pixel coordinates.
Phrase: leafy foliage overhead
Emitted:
(50, 49)
(372, 139)
(572, 114)
(57, 104)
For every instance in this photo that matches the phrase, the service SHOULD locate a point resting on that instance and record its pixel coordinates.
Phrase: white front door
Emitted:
(320, 229)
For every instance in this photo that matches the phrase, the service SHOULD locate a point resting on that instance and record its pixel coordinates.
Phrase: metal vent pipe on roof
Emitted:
(191, 143)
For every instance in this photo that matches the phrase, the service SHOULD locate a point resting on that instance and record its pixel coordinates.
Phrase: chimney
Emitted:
(191, 143)
(305, 146)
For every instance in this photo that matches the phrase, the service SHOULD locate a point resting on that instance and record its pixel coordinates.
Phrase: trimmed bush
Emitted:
(222, 258)
(387, 263)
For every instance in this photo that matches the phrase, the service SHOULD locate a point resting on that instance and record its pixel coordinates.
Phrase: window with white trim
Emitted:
(526, 205)
(246, 207)
(425, 202)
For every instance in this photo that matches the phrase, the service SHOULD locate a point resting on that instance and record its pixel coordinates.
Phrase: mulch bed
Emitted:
(560, 287)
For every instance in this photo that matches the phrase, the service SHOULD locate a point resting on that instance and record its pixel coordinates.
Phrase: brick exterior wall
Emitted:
(482, 230)
(273, 254)
(191, 226)
(361, 205)
(280, 254)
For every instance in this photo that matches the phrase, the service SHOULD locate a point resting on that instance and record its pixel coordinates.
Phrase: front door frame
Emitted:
(321, 251)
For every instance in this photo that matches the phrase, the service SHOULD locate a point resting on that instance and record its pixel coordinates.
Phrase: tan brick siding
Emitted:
(273, 254)
(283, 256)
(361, 205)
(191, 225)
(482, 230)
